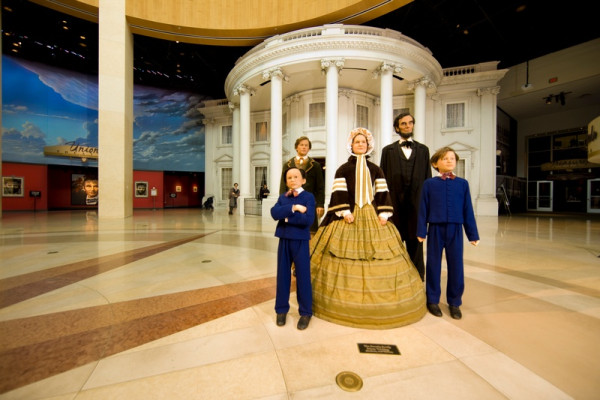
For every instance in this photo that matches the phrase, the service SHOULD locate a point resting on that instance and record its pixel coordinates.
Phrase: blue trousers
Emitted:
(447, 237)
(298, 252)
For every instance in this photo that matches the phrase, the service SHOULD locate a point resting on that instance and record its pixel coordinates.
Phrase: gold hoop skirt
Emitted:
(362, 275)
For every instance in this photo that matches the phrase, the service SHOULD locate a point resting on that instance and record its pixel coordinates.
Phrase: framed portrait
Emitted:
(141, 189)
(13, 186)
(84, 190)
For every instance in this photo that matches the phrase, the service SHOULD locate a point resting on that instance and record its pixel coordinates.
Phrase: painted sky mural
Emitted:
(46, 106)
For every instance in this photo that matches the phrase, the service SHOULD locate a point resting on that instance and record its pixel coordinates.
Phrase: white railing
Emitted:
(333, 29)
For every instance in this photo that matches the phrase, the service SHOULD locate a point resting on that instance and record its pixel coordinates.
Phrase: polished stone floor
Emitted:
(178, 304)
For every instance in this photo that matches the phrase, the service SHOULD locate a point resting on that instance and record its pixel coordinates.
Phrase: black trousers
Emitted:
(415, 251)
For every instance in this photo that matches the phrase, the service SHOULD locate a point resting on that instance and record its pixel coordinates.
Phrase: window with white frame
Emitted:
(262, 132)
(227, 134)
(316, 114)
(226, 182)
(260, 177)
(362, 116)
(460, 168)
(455, 115)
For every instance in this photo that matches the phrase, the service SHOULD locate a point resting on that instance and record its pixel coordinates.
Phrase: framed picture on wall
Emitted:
(13, 186)
(84, 190)
(141, 189)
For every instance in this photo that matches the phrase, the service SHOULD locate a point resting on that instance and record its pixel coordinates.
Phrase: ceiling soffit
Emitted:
(230, 22)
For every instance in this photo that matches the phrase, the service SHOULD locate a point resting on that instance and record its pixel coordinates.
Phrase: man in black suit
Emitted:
(315, 182)
(406, 166)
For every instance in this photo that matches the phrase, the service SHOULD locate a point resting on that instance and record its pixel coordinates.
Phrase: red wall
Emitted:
(155, 180)
(187, 197)
(34, 178)
(54, 181)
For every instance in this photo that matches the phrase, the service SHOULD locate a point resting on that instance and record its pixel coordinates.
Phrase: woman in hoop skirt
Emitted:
(361, 273)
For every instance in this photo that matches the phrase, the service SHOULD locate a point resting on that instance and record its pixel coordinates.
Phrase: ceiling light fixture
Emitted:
(559, 98)
(527, 85)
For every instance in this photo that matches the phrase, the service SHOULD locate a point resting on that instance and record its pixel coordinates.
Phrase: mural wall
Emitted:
(46, 106)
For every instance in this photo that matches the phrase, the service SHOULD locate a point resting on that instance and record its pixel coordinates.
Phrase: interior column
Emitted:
(331, 68)
(115, 111)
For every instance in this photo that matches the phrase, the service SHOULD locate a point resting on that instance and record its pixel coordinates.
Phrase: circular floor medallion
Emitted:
(349, 381)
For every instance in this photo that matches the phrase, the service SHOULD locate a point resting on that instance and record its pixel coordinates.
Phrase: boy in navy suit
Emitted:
(295, 212)
(446, 206)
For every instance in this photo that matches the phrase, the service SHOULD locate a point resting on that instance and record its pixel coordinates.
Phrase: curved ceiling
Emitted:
(231, 22)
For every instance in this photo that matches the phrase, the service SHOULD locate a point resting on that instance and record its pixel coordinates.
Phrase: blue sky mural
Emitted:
(47, 106)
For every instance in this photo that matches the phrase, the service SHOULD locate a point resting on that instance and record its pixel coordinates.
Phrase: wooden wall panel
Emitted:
(231, 22)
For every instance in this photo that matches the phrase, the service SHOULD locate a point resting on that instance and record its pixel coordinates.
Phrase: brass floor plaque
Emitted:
(349, 381)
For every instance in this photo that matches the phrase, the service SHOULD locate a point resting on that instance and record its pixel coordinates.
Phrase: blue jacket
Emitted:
(447, 202)
(294, 225)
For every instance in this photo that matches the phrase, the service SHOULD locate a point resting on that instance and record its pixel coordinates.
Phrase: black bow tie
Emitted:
(406, 143)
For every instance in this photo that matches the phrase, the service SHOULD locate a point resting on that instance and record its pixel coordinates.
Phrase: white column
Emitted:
(486, 202)
(275, 158)
(419, 113)
(211, 139)
(244, 182)
(331, 68)
(235, 142)
(115, 111)
(386, 106)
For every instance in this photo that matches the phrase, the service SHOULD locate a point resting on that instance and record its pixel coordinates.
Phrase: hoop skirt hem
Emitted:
(362, 275)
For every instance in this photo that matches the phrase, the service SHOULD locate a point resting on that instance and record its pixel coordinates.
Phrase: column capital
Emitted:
(345, 92)
(275, 72)
(232, 106)
(425, 81)
(326, 63)
(292, 99)
(208, 121)
(387, 66)
(493, 90)
(243, 89)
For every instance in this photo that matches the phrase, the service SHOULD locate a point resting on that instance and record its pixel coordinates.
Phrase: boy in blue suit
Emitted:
(446, 206)
(295, 212)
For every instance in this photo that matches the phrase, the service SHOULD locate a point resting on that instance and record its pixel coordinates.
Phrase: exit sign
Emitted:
(553, 80)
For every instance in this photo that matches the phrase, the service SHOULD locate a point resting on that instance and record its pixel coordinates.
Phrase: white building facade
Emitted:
(321, 83)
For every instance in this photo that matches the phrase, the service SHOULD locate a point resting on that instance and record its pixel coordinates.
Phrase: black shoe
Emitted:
(281, 319)
(434, 309)
(303, 322)
(455, 312)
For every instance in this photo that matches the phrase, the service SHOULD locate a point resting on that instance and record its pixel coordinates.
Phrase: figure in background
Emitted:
(406, 166)
(294, 213)
(234, 193)
(444, 210)
(362, 275)
(315, 182)
(264, 192)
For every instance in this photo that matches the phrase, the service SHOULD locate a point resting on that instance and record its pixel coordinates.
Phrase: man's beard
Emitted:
(405, 136)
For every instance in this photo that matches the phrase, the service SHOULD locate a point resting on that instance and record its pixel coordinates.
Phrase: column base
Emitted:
(487, 206)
